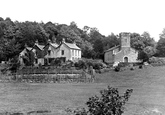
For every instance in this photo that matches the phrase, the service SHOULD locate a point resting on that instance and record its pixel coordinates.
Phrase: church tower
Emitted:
(125, 40)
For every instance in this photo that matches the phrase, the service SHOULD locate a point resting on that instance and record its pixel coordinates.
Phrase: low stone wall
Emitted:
(51, 78)
(48, 71)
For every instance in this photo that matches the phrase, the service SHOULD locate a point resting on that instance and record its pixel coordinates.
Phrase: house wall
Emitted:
(39, 61)
(109, 57)
(75, 54)
(115, 51)
(67, 52)
(53, 52)
(38, 52)
(20, 56)
(126, 52)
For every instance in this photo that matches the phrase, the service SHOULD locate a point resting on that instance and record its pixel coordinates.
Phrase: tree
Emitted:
(1, 19)
(96, 40)
(110, 41)
(148, 40)
(146, 53)
(29, 58)
(139, 42)
(52, 30)
(143, 56)
(161, 44)
(98, 48)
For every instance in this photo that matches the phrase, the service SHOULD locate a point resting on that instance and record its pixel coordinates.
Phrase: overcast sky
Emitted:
(107, 15)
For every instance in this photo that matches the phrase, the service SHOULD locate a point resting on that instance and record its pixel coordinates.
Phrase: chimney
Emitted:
(36, 43)
(63, 40)
(26, 45)
(74, 42)
(54, 39)
(49, 41)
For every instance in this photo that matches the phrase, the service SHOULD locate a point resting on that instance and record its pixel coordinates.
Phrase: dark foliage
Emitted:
(14, 36)
(109, 103)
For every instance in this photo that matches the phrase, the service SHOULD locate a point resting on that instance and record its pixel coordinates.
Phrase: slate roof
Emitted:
(54, 45)
(29, 48)
(40, 46)
(115, 47)
(72, 46)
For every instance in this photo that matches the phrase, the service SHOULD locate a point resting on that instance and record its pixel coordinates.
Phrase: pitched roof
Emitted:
(54, 45)
(72, 45)
(40, 46)
(115, 47)
(29, 48)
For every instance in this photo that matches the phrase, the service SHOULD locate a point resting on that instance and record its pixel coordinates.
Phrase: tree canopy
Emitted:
(14, 36)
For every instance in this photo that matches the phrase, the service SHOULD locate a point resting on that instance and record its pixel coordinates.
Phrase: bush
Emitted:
(80, 64)
(84, 63)
(123, 64)
(109, 103)
(117, 68)
(155, 61)
(97, 64)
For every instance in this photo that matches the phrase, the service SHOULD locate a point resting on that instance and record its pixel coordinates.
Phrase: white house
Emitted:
(45, 54)
(69, 50)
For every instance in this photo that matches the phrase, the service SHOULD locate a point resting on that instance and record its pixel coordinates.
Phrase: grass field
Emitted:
(148, 85)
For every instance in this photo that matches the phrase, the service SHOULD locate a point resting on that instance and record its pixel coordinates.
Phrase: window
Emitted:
(72, 52)
(62, 52)
(36, 61)
(49, 52)
(75, 52)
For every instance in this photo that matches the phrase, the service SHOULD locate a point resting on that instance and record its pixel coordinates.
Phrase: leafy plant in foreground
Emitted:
(109, 103)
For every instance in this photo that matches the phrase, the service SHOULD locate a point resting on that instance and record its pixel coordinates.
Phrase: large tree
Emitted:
(110, 41)
(139, 42)
(161, 44)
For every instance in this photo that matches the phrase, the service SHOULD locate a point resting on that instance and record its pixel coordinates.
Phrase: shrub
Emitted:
(123, 64)
(96, 64)
(155, 61)
(109, 103)
(117, 68)
(56, 62)
(80, 64)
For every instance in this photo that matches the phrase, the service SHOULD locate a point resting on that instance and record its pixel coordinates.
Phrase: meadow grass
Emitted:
(148, 85)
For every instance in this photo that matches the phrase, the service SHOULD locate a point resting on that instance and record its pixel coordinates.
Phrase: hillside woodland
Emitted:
(14, 35)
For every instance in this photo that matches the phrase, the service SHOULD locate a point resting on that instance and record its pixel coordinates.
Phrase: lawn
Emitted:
(148, 85)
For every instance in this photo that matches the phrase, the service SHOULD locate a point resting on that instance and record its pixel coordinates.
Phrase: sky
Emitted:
(106, 15)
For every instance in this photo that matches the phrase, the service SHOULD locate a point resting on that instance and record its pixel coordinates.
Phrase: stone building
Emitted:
(121, 53)
(44, 54)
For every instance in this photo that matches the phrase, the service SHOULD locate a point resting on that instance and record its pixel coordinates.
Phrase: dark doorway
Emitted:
(126, 59)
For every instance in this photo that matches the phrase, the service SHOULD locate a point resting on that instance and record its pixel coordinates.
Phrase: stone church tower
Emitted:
(125, 40)
(121, 53)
